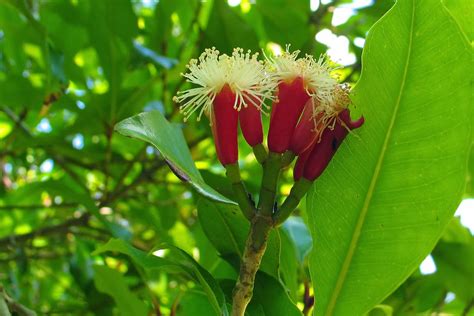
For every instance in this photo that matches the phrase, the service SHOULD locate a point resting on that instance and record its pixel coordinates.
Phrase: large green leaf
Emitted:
(113, 283)
(152, 127)
(385, 199)
(459, 9)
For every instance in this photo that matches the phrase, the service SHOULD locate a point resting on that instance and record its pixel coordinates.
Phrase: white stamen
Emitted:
(332, 106)
(243, 72)
(329, 98)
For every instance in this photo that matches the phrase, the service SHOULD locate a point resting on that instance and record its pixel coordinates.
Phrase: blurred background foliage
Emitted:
(70, 70)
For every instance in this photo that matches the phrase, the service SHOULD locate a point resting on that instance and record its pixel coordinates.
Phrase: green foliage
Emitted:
(401, 180)
(111, 282)
(95, 223)
(178, 262)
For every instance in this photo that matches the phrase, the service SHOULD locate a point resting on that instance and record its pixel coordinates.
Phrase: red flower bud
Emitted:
(322, 152)
(300, 163)
(307, 130)
(250, 120)
(224, 121)
(291, 99)
(227, 85)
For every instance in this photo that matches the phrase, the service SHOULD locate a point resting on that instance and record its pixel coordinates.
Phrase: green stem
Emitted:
(297, 192)
(260, 228)
(287, 158)
(251, 259)
(260, 153)
(271, 171)
(246, 206)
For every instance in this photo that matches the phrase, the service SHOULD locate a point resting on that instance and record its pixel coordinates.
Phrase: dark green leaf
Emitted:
(112, 283)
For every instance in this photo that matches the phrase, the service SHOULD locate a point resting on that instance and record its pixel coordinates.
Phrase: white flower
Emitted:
(326, 111)
(316, 74)
(242, 72)
(328, 97)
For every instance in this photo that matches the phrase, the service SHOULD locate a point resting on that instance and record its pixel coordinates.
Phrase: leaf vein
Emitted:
(368, 198)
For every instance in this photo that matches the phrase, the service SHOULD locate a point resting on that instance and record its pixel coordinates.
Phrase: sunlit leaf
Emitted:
(112, 283)
(152, 127)
(384, 201)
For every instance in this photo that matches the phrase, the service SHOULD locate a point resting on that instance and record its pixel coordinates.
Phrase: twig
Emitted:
(128, 168)
(109, 132)
(36, 256)
(144, 175)
(13, 306)
(468, 308)
(18, 120)
(318, 15)
(175, 304)
(35, 206)
(74, 176)
(45, 231)
(308, 300)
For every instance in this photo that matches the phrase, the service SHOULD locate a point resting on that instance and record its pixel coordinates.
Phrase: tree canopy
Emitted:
(96, 223)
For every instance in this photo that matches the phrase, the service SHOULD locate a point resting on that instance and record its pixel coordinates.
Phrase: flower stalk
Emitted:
(240, 193)
(309, 120)
(260, 228)
(298, 191)
(271, 172)
(260, 153)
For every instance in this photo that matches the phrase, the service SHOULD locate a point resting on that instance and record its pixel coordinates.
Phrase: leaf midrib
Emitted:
(360, 221)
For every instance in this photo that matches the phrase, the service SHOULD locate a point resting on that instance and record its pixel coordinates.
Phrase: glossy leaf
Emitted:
(384, 201)
(152, 127)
